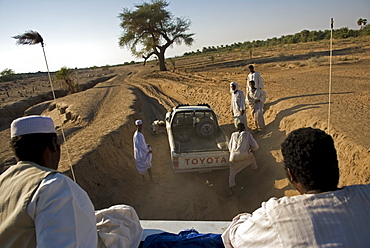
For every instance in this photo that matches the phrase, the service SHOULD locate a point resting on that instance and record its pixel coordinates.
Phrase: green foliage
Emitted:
(361, 22)
(151, 29)
(7, 75)
(344, 33)
(303, 36)
(132, 62)
(365, 30)
(65, 77)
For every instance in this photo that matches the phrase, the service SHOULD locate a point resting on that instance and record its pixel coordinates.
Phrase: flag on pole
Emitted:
(332, 23)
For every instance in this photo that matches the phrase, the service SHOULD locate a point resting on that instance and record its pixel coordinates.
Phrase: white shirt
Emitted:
(256, 77)
(333, 219)
(63, 214)
(237, 102)
(242, 142)
(258, 94)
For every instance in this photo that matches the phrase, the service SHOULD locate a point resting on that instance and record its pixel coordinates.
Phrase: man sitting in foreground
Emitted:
(39, 206)
(322, 216)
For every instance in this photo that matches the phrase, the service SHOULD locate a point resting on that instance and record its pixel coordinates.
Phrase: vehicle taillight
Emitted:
(175, 162)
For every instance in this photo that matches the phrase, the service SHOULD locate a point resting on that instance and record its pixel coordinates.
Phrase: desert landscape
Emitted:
(98, 123)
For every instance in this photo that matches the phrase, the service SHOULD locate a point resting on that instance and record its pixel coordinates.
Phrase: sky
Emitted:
(85, 33)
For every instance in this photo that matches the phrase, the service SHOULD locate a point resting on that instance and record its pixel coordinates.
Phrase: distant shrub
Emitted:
(347, 58)
(7, 75)
(270, 65)
(64, 76)
(316, 61)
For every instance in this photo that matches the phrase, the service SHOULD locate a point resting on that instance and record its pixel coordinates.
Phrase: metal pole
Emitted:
(60, 120)
(330, 63)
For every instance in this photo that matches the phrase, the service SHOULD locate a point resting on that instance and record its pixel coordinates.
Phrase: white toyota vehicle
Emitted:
(196, 141)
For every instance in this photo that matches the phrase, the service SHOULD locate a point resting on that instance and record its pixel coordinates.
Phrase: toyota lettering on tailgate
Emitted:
(209, 160)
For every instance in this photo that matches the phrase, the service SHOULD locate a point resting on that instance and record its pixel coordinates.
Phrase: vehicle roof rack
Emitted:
(199, 104)
(181, 105)
(204, 104)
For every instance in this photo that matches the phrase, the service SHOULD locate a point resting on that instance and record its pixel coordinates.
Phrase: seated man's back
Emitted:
(339, 218)
(322, 216)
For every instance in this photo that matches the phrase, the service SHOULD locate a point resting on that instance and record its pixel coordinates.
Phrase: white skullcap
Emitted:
(32, 124)
(138, 122)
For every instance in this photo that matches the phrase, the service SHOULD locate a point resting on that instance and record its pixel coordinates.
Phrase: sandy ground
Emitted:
(99, 125)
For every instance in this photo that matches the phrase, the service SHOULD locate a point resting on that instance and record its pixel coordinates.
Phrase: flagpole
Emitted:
(60, 119)
(32, 38)
(330, 65)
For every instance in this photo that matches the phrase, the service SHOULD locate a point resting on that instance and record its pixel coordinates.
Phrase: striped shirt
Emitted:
(332, 219)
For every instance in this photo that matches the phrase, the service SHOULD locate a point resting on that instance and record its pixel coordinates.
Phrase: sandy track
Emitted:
(99, 124)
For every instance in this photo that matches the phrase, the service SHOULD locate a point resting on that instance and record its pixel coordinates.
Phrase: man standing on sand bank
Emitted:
(237, 105)
(256, 98)
(256, 77)
(142, 152)
(322, 216)
(40, 207)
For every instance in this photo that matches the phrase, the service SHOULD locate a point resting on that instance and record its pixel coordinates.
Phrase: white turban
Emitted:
(31, 124)
(236, 86)
(138, 122)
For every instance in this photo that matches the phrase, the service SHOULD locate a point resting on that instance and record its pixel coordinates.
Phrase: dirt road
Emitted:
(99, 125)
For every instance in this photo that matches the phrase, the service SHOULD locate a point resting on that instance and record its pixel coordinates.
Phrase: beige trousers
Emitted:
(239, 166)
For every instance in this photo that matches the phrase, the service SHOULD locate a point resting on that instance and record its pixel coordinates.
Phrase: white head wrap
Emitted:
(236, 86)
(138, 122)
(31, 124)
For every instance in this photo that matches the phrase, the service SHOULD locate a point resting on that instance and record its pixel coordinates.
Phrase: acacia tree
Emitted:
(150, 29)
(361, 22)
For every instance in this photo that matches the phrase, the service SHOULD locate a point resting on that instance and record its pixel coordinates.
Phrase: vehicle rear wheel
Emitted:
(206, 128)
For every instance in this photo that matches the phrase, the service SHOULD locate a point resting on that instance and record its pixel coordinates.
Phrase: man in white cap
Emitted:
(237, 105)
(41, 207)
(142, 152)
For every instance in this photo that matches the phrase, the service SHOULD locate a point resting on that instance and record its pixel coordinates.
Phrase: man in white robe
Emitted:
(142, 152)
(322, 216)
(256, 77)
(241, 146)
(237, 105)
(256, 98)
